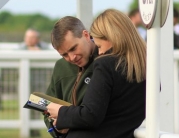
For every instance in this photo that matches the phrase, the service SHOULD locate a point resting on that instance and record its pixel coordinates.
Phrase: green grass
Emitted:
(9, 133)
(11, 111)
(14, 133)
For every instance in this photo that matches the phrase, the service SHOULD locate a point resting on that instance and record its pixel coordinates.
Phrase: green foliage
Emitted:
(133, 5)
(19, 23)
(176, 5)
(5, 17)
(12, 26)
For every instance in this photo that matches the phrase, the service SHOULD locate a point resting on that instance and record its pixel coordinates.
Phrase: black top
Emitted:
(111, 108)
(176, 41)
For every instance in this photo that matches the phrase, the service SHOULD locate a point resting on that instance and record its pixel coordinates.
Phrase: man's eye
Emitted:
(99, 46)
(73, 49)
(64, 55)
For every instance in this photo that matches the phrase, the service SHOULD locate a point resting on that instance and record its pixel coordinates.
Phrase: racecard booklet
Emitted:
(38, 101)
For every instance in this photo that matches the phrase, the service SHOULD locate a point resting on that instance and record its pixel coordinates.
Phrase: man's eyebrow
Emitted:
(71, 49)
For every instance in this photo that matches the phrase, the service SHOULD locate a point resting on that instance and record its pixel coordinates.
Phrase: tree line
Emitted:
(12, 27)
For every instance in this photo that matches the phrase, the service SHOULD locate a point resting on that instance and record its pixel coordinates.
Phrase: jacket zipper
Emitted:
(74, 100)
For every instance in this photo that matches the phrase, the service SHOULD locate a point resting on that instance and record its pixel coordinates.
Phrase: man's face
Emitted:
(76, 50)
(175, 21)
(31, 38)
(138, 19)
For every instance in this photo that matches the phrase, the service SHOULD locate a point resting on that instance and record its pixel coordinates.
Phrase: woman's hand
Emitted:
(53, 109)
(63, 131)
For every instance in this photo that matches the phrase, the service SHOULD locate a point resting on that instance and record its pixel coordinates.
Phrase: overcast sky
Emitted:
(59, 8)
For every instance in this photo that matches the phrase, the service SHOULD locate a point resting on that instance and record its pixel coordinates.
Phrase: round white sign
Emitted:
(147, 11)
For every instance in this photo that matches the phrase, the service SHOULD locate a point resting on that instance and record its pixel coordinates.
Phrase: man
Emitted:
(176, 29)
(72, 73)
(175, 21)
(32, 41)
(135, 17)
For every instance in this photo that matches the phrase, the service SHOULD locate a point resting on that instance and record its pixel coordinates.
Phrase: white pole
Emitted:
(23, 96)
(153, 77)
(85, 12)
(176, 97)
(166, 72)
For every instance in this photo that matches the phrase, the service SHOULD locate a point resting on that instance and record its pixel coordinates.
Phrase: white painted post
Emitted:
(176, 97)
(166, 75)
(153, 77)
(85, 12)
(24, 85)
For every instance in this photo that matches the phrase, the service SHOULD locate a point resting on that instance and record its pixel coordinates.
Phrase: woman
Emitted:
(114, 102)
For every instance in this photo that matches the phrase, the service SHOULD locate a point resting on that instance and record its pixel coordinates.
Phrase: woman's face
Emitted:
(103, 45)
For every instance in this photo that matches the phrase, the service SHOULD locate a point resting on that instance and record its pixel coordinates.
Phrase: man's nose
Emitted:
(71, 57)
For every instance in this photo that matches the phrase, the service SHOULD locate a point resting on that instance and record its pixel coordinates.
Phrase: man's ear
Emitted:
(86, 34)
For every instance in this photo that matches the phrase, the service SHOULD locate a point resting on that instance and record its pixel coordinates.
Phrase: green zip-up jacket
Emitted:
(63, 81)
(64, 84)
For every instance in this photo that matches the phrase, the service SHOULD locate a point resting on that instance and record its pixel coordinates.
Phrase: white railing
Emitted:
(24, 60)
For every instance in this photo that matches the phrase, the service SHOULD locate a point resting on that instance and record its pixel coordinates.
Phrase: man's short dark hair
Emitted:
(133, 12)
(63, 26)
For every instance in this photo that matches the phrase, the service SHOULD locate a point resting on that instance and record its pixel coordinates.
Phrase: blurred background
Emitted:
(17, 16)
(30, 71)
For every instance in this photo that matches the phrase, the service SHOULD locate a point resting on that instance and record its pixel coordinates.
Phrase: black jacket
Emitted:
(63, 79)
(111, 108)
(176, 41)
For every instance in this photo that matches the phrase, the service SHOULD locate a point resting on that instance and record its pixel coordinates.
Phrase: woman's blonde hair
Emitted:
(116, 27)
